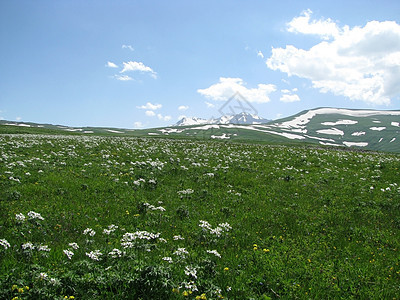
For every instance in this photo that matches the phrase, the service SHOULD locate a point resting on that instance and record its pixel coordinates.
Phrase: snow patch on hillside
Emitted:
(378, 128)
(332, 131)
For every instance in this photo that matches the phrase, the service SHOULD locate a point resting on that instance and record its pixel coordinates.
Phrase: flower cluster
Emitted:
(95, 255)
(128, 238)
(185, 192)
(111, 229)
(4, 243)
(152, 207)
(221, 228)
(115, 253)
(89, 231)
(34, 215)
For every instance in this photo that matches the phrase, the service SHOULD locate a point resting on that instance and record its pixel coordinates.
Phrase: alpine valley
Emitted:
(377, 130)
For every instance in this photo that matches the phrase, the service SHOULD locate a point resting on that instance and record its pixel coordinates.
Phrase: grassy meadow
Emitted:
(139, 218)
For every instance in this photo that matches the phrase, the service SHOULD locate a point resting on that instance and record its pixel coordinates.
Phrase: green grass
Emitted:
(306, 223)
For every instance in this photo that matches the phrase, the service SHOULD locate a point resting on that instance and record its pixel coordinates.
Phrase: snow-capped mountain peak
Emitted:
(240, 118)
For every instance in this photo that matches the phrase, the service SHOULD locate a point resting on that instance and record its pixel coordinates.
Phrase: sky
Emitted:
(143, 64)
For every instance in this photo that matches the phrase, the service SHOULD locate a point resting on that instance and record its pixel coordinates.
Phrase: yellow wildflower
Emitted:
(185, 293)
(226, 269)
(266, 250)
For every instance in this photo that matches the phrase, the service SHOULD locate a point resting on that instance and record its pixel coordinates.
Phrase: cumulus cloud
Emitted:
(150, 106)
(260, 54)
(163, 118)
(111, 65)
(360, 63)
(324, 28)
(132, 66)
(123, 77)
(227, 87)
(150, 113)
(183, 107)
(289, 96)
(128, 47)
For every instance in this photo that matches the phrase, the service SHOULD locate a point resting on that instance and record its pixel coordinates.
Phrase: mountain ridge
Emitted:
(365, 129)
(240, 118)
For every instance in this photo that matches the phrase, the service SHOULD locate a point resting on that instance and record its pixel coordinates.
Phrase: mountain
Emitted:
(241, 118)
(337, 127)
(332, 127)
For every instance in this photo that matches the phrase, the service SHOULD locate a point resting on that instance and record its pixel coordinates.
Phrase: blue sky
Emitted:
(138, 64)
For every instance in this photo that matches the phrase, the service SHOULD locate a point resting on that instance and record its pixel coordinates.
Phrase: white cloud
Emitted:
(123, 77)
(183, 107)
(289, 98)
(163, 118)
(361, 63)
(209, 105)
(260, 54)
(128, 47)
(138, 66)
(150, 106)
(138, 124)
(324, 28)
(227, 87)
(111, 65)
(150, 113)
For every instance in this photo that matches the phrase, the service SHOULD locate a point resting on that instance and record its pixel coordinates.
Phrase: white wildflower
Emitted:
(114, 253)
(5, 243)
(43, 276)
(191, 286)
(168, 259)
(34, 215)
(44, 248)
(68, 253)
(178, 237)
(95, 255)
(215, 252)
(28, 246)
(191, 271)
(89, 231)
(20, 217)
(186, 192)
(182, 252)
(74, 246)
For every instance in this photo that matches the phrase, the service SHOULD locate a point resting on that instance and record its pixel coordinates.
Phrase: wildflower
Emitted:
(215, 252)
(266, 250)
(74, 246)
(226, 269)
(28, 246)
(175, 290)
(185, 293)
(114, 253)
(181, 252)
(44, 248)
(68, 253)
(95, 255)
(43, 276)
(111, 228)
(168, 259)
(34, 215)
(89, 231)
(191, 271)
(20, 217)
(185, 192)
(14, 287)
(5, 243)
(178, 237)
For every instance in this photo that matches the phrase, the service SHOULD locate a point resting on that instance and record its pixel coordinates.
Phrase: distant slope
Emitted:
(376, 130)
(362, 129)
